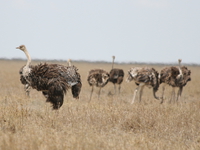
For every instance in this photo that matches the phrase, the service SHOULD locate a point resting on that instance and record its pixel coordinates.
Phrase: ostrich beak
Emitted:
(17, 47)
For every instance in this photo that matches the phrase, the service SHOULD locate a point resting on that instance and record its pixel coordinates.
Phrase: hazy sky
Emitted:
(94, 30)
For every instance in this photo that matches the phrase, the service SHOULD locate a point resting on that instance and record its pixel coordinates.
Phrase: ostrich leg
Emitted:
(27, 89)
(172, 94)
(163, 91)
(91, 93)
(135, 93)
(99, 93)
(119, 88)
(114, 89)
(179, 93)
(141, 91)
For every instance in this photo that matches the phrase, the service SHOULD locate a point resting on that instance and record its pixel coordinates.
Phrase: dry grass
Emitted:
(110, 123)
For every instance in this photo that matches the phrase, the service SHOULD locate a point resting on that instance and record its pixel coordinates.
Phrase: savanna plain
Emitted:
(29, 123)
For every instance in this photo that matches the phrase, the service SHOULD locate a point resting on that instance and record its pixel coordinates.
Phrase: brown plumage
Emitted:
(175, 77)
(143, 77)
(52, 79)
(98, 78)
(27, 86)
(116, 76)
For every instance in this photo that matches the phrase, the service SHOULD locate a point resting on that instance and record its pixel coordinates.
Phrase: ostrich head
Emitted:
(22, 47)
(132, 73)
(26, 68)
(105, 77)
(129, 76)
(113, 57)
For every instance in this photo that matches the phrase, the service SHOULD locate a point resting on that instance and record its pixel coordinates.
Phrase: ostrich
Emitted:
(143, 77)
(98, 78)
(52, 79)
(75, 88)
(116, 76)
(175, 77)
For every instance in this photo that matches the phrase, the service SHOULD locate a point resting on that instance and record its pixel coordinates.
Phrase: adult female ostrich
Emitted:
(175, 77)
(98, 78)
(75, 88)
(51, 79)
(143, 77)
(116, 76)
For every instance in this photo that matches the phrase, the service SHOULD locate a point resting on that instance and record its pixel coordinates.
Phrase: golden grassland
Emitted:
(108, 123)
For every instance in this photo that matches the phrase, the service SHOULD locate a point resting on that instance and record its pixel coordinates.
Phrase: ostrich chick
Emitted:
(116, 76)
(143, 77)
(175, 77)
(98, 78)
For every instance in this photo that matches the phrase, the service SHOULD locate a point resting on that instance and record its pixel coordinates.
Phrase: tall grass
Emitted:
(108, 123)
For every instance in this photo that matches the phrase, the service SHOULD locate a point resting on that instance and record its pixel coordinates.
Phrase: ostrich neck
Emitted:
(180, 71)
(180, 76)
(27, 69)
(113, 63)
(69, 63)
(28, 58)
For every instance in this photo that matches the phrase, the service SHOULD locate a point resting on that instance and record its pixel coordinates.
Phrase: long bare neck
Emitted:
(113, 62)
(28, 58)
(179, 67)
(26, 68)
(69, 63)
(180, 76)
